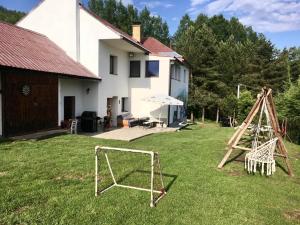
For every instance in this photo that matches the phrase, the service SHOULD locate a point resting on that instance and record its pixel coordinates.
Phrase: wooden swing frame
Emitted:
(265, 95)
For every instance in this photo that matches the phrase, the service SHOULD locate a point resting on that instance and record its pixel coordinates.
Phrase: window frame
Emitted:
(135, 61)
(147, 65)
(113, 64)
(123, 104)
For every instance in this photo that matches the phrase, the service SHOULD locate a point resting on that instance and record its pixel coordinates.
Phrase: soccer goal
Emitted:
(120, 158)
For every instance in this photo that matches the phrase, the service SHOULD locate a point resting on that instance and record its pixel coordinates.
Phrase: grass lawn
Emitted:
(51, 181)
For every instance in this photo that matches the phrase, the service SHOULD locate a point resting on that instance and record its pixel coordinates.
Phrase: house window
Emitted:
(113, 65)
(172, 71)
(124, 104)
(184, 76)
(135, 69)
(152, 68)
(178, 73)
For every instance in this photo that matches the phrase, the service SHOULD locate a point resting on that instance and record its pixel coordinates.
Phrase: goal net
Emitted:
(128, 168)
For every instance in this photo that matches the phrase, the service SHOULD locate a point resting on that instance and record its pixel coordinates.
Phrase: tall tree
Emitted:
(10, 16)
(184, 24)
(123, 17)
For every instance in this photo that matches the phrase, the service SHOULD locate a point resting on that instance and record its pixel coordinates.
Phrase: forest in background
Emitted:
(223, 53)
(10, 16)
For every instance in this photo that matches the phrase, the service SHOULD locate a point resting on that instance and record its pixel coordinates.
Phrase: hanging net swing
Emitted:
(266, 138)
(262, 154)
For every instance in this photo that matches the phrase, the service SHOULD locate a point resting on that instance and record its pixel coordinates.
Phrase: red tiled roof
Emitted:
(122, 33)
(155, 46)
(25, 49)
(158, 48)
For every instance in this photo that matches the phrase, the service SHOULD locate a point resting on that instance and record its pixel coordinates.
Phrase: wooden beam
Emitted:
(281, 146)
(249, 149)
(237, 136)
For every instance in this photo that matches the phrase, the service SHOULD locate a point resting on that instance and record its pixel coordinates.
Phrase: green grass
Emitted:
(51, 181)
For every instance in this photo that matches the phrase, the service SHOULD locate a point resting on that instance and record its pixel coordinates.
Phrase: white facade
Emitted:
(142, 87)
(91, 42)
(85, 93)
(179, 90)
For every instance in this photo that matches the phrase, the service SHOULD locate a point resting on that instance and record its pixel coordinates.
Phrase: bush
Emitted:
(245, 103)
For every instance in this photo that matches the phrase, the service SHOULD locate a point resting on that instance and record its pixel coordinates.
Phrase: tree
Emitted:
(245, 103)
(294, 63)
(153, 26)
(288, 108)
(184, 24)
(10, 16)
(124, 17)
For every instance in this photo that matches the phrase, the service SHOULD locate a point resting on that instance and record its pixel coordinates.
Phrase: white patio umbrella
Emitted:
(163, 100)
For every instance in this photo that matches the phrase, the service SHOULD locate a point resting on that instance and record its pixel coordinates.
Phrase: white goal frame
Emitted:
(105, 150)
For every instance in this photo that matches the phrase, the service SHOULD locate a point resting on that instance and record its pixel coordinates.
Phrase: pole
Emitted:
(238, 91)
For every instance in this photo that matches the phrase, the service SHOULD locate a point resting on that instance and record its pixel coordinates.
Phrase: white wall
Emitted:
(83, 101)
(142, 87)
(0, 106)
(179, 88)
(112, 85)
(57, 20)
(91, 31)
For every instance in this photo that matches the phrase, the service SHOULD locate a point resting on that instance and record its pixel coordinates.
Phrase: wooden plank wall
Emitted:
(35, 112)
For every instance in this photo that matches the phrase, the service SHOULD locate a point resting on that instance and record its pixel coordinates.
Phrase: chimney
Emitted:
(136, 31)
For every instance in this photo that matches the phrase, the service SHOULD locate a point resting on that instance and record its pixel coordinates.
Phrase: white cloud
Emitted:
(264, 16)
(155, 4)
(198, 2)
(174, 18)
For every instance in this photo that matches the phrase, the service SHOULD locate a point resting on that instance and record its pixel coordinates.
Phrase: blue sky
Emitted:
(279, 20)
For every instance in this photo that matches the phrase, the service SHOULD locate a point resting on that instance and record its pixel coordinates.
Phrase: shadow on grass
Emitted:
(237, 158)
(45, 137)
(282, 167)
(164, 175)
(5, 140)
(186, 128)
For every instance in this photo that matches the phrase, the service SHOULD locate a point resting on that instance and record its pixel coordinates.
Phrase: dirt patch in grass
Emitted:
(297, 180)
(293, 215)
(22, 209)
(236, 173)
(80, 177)
(3, 173)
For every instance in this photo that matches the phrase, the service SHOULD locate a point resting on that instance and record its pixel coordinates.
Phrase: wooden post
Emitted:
(203, 114)
(217, 118)
(276, 128)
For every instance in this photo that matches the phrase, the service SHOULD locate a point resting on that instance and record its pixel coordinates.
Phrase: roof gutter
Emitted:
(184, 62)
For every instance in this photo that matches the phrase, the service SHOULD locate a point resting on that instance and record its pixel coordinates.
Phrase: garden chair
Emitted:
(260, 156)
(73, 127)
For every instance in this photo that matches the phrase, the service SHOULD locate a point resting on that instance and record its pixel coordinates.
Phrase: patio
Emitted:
(130, 134)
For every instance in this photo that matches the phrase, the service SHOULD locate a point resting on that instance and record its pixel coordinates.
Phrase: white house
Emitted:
(130, 68)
